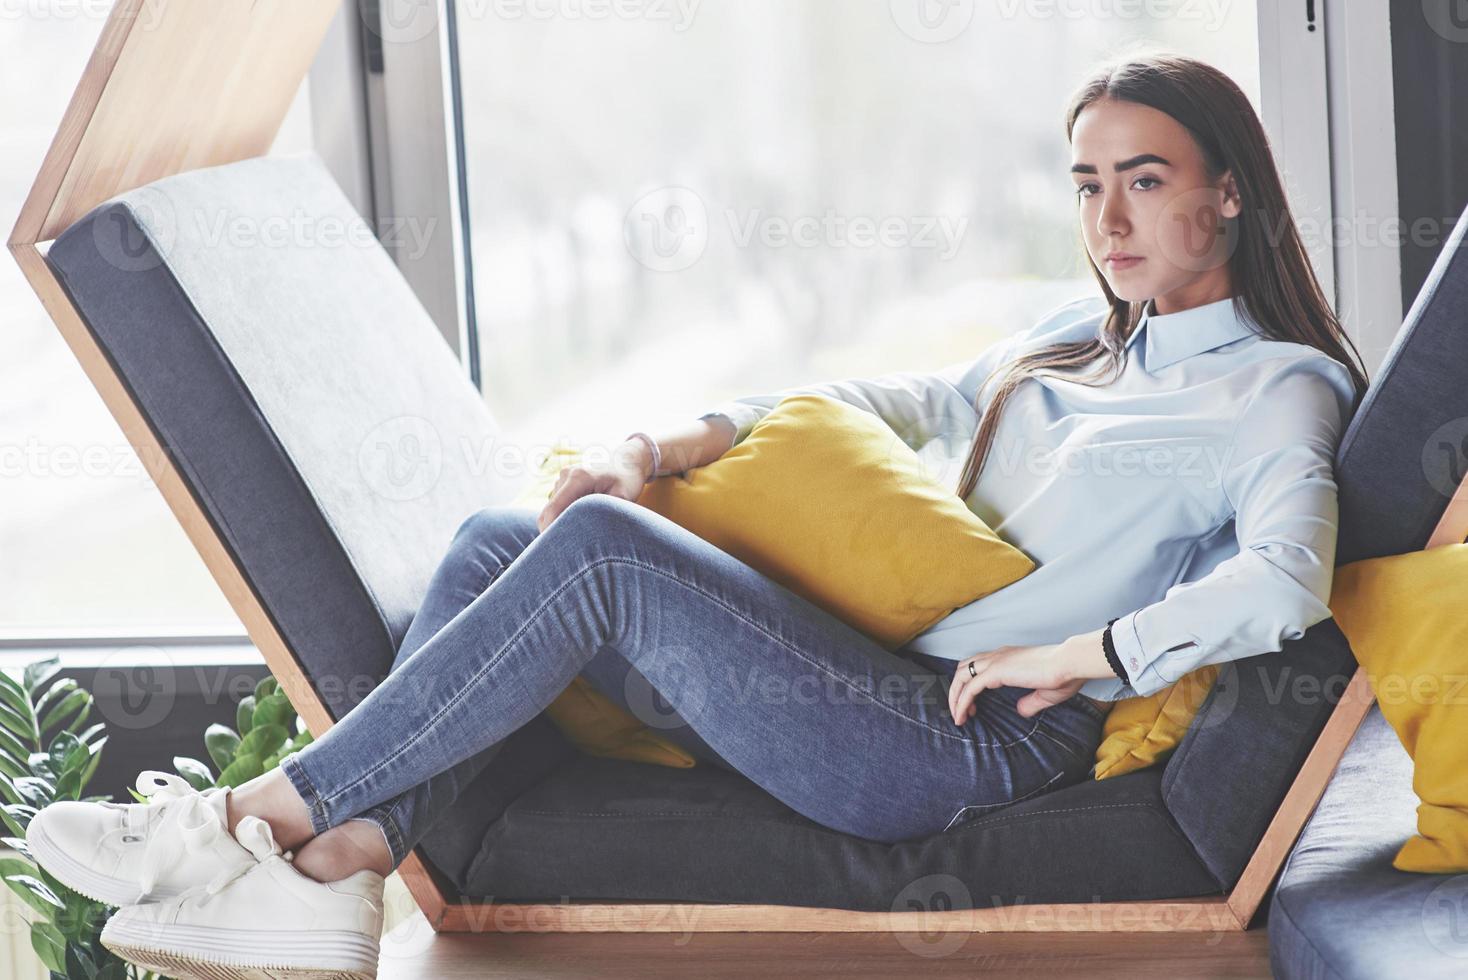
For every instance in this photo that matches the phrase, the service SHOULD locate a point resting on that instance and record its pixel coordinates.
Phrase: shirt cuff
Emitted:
(743, 417)
(1142, 679)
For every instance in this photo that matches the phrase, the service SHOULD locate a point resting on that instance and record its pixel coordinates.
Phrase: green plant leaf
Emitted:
(38, 672)
(11, 763)
(16, 866)
(273, 710)
(56, 693)
(17, 844)
(244, 714)
(79, 965)
(13, 744)
(41, 764)
(49, 945)
(91, 766)
(268, 685)
(34, 892)
(200, 776)
(22, 727)
(244, 768)
(17, 816)
(222, 742)
(12, 694)
(82, 715)
(35, 790)
(61, 748)
(69, 786)
(78, 702)
(114, 970)
(262, 740)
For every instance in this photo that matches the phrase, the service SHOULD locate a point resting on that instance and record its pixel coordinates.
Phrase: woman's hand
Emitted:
(1051, 669)
(624, 475)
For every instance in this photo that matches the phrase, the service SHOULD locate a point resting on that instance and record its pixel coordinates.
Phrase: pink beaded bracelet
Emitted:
(657, 455)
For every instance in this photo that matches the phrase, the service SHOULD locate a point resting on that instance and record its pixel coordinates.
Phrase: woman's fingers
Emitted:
(961, 677)
(968, 689)
(572, 484)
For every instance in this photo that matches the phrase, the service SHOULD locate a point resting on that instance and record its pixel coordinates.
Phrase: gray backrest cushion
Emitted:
(1397, 467)
(315, 411)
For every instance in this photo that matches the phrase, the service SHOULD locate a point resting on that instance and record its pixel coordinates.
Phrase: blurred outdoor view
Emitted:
(673, 202)
(87, 544)
(694, 201)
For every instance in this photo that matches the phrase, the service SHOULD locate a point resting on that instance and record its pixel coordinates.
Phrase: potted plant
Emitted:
(46, 756)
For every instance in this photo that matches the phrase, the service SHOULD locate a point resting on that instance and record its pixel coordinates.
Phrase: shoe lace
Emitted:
(185, 822)
(257, 838)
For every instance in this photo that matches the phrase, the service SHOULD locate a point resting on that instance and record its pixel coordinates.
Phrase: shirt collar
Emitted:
(1173, 337)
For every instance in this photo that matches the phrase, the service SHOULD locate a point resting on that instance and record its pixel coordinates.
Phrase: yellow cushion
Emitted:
(825, 499)
(1140, 732)
(1404, 617)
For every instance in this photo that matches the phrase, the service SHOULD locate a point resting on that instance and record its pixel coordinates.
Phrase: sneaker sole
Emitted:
(208, 953)
(81, 879)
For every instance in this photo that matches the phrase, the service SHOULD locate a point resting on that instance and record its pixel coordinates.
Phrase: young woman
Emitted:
(1163, 450)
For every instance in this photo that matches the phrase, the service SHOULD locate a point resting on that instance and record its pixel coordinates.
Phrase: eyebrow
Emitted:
(1127, 164)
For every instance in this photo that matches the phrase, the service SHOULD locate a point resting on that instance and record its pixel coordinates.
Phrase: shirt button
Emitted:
(1133, 662)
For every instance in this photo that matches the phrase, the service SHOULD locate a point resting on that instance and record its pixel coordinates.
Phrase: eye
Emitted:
(1153, 180)
(1081, 191)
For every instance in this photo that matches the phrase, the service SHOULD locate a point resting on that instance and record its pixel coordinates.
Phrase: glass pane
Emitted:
(87, 544)
(675, 203)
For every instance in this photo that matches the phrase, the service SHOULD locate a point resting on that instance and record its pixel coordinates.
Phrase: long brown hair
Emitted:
(1270, 271)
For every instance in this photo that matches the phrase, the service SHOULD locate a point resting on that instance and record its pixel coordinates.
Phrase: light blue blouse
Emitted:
(1193, 496)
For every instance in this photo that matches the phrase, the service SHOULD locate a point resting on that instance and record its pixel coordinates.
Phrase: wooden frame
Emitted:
(167, 90)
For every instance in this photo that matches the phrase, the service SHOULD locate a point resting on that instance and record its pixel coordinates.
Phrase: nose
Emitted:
(1112, 220)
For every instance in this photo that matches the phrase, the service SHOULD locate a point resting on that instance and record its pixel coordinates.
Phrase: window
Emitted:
(87, 544)
(672, 203)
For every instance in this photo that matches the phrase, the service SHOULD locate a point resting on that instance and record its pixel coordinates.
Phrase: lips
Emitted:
(1121, 260)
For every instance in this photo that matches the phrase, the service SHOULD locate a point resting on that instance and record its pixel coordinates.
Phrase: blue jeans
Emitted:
(700, 646)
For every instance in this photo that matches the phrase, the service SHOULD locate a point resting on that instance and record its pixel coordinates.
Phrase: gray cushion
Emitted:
(1340, 910)
(630, 831)
(315, 411)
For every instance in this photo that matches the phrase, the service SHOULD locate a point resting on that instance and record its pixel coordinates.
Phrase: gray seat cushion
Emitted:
(1340, 910)
(625, 830)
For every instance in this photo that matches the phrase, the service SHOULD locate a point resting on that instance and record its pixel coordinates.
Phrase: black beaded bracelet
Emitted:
(1110, 649)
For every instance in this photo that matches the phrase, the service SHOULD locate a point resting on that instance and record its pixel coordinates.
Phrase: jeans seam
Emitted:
(1018, 799)
(316, 804)
(1063, 747)
(571, 581)
(383, 818)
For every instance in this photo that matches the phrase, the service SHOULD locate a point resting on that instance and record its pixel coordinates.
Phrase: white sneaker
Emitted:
(265, 919)
(127, 853)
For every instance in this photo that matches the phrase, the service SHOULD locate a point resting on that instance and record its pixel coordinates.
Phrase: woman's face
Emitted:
(1143, 191)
